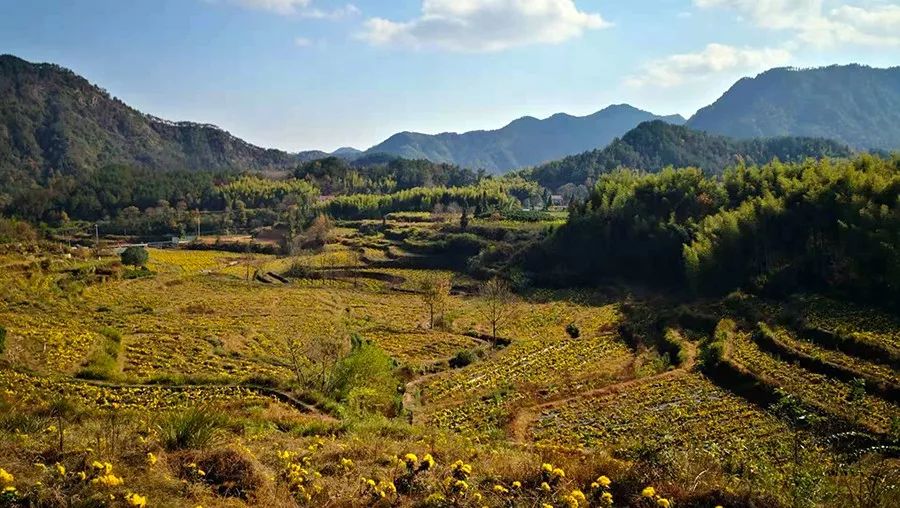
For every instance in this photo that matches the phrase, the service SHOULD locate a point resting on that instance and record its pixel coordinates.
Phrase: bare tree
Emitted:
(435, 290)
(295, 349)
(499, 303)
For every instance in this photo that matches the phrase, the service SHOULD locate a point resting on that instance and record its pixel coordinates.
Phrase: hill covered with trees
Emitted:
(853, 104)
(652, 146)
(525, 142)
(53, 121)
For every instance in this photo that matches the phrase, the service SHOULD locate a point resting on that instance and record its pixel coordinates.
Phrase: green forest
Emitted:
(775, 228)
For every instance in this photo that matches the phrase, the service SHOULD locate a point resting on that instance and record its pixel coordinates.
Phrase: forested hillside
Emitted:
(654, 145)
(524, 142)
(853, 104)
(53, 121)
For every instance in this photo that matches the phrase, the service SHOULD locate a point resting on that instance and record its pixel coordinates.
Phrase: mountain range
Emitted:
(527, 141)
(53, 121)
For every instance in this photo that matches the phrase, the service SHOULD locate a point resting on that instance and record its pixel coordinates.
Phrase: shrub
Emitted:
(367, 373)
(103, 364)
(191, 428)
(229, 472)
(16, 231)
(573, 331)
(463, 358)
(135, 256)
(713, 351)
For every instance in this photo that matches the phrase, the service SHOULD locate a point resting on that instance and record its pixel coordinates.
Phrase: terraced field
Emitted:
(827, 394)
(39, 390)
(675, 411)
(878, 372)
(864, 324)
(549, 365)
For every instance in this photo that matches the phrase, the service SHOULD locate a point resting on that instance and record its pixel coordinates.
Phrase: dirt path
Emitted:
(520, 423)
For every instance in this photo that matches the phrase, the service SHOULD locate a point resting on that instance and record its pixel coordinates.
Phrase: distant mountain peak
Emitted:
(526, 141)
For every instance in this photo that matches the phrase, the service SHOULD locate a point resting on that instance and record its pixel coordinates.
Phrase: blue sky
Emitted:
(319, 74)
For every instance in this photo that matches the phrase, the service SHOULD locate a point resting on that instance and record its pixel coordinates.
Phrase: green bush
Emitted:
(135, 256)
(190, 429)
(365, 379)
(713, 351)
(573, 331)
(463, 358)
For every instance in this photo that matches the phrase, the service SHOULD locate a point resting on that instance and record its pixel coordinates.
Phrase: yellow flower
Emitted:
(346, 463)
(460, 485)
(545, 486)
(559, 473)
(109, 480)
(136, 500)
(9, 490)
(517, 485)
(82, 475)
(570, 501)
(648, 492)
(607, 498)
(547, 468)
(410, 458)
(545, 505)
(151, 459)
(427, 461)
(500, 489)
(604, 481)
(60, 469)
(6, 478)
(579, 495)
(476, 497)
(662, 502)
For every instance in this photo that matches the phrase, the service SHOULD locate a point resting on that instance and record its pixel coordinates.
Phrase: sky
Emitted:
(322, 74)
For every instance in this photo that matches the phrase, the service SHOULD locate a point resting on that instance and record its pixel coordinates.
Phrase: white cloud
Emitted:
(484, 25)
(303, 42)
(302, 8)
(715, 59)
(871, 24)
(338, 13)
(277, 6)
(875, 26)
